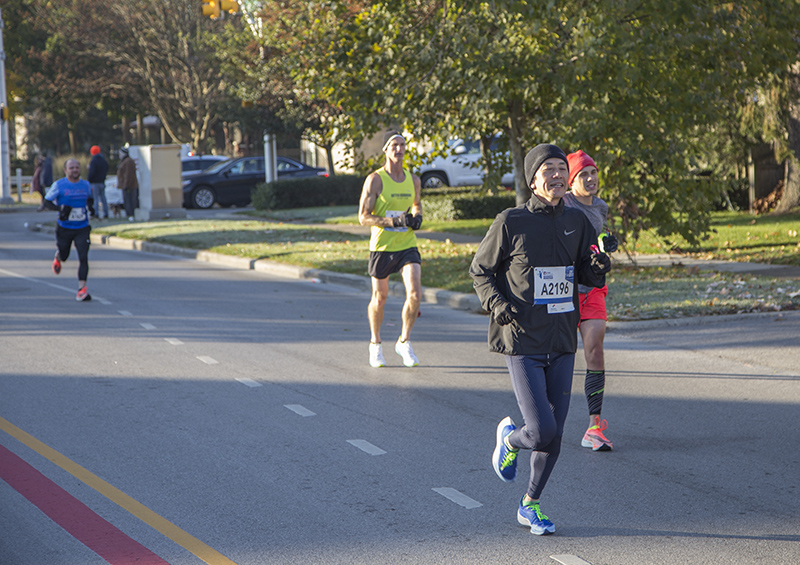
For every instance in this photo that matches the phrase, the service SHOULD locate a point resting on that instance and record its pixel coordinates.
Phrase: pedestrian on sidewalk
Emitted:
(98, 169)
(524, 273)
(45, 177)
(72, 197)
(584, 185)
(128, 183)
(391, 204)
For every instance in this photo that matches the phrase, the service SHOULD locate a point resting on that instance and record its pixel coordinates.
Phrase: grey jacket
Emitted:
(520, 239)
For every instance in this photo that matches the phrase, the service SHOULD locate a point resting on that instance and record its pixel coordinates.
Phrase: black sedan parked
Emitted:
(230, 182)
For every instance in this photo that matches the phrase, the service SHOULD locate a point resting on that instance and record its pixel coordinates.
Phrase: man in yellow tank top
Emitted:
(391, 205)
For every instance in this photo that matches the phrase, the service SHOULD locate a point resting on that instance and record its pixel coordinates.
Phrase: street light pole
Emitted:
(5, 158)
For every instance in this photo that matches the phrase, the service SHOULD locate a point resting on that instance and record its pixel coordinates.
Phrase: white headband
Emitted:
(388, 141)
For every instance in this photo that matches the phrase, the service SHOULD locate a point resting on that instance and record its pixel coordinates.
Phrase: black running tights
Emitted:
(542, 385)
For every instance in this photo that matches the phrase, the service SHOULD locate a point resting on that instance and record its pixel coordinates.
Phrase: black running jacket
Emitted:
(520, 239)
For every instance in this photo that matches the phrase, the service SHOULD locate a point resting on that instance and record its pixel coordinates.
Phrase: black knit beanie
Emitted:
(537, 156)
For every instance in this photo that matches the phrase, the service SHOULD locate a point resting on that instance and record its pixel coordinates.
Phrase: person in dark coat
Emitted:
(525, 274)
(45, 177)
(128, 183)
(98, 169)
(36, 183)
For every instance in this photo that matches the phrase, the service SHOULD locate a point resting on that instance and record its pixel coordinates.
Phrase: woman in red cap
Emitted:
(583, 186)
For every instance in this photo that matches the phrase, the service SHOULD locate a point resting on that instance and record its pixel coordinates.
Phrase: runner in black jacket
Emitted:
(525, 273)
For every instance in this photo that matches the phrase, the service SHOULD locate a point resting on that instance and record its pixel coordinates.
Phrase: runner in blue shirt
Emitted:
(72, 197)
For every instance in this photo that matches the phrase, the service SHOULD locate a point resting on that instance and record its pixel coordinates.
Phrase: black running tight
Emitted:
(65, 238)
(542, 385)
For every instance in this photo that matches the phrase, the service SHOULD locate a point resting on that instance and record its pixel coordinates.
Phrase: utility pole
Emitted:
(5, 158)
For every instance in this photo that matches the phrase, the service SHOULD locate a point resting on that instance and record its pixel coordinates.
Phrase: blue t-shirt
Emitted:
(73, 194)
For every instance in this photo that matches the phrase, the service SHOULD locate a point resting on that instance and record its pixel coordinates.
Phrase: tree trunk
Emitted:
(791, 186)
(329, 155)
(126, 130)
(139, 130)
(517, 157)
(489, 174)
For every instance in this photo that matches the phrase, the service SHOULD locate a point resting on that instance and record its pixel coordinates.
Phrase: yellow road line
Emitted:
(170, 530)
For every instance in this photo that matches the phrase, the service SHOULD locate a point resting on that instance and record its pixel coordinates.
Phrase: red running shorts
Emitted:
(593, 304)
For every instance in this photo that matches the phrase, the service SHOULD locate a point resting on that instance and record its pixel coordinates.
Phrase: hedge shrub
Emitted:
(307, 192)
(466, 206)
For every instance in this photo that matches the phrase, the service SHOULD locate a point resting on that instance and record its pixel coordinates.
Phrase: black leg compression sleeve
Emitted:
(594, 386)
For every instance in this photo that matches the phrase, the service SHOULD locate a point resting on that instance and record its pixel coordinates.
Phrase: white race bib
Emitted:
(77, 214)
(395, 214)
(554, 286)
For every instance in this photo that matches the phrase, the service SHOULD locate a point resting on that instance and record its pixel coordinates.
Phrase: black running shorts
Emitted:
(385, 263)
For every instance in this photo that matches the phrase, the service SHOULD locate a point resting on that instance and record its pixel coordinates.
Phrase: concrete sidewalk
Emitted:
(456, 300)
(663, 260)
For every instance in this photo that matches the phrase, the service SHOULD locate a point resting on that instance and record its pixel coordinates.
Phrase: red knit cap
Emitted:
(577, 161)
(95, 150)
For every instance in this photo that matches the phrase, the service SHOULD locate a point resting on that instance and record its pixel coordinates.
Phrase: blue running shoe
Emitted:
(504, 459)
(532, 516)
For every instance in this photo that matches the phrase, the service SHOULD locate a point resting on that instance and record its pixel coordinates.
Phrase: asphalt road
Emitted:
(236, 409)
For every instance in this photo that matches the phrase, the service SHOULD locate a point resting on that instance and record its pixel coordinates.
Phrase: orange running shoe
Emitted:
(83, 295)
(594, 437)
(57, 264)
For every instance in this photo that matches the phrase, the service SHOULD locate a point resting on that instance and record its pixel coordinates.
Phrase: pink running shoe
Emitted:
(594, 437)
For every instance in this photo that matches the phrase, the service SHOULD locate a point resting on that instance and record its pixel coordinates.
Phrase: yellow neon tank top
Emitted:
(394, 199)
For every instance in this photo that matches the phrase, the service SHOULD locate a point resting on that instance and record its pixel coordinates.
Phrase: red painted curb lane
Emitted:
(74, 516)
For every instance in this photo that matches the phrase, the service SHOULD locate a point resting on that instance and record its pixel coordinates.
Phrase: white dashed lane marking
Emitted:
(147, 326)
(459, 498)
(208, 360)
(366, 446)
(301, 410)
(125, 313)
(569, 560)
(173, 341)
(249, 382)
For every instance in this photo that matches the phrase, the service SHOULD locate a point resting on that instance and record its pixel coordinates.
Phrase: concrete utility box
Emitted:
(160, 187)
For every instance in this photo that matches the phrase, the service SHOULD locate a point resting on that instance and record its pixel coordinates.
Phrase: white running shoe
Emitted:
(405, 351)
(376, 355)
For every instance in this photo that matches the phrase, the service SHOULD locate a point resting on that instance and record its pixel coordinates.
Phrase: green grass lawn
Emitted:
(735, 236)
(635, 293)
(739, 236)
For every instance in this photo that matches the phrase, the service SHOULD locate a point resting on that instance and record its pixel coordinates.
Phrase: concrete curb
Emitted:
(450, 299)
(455, 300)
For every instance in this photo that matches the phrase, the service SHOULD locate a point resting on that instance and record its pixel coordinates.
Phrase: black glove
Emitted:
(64, 212)
(610, 243)
(504, 313)
(399, 221)
(414, 222)
(600, 263)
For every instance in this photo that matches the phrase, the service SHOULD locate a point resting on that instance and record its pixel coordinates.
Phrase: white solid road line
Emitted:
(458, 497)
(40, 281)
(299, 409)
(366, 446)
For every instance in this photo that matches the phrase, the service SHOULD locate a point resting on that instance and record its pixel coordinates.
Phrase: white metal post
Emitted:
(270, 158)
(5, 158)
